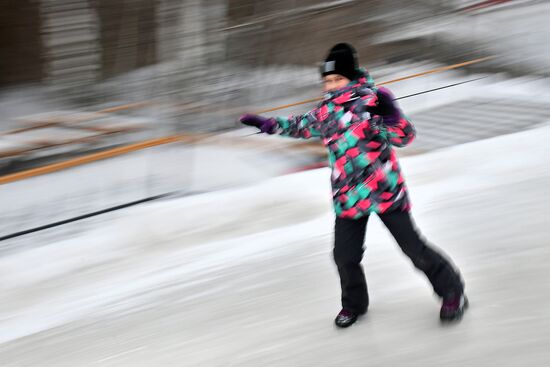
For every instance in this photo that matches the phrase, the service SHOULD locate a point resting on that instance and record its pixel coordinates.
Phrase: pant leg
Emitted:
(349, 235)
(443, 276)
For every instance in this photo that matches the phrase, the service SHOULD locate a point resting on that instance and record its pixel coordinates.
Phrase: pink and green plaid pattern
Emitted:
(366, 177)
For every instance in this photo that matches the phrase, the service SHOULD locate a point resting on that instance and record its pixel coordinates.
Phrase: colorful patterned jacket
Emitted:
(366, 177)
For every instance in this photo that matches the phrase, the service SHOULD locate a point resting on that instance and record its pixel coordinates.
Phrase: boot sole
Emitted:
(343, 326)
(458, 315)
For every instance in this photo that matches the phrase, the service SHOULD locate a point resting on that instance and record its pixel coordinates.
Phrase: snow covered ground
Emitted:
(244, 277)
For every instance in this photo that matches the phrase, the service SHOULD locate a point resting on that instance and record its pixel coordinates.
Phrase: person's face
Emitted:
(334, 82)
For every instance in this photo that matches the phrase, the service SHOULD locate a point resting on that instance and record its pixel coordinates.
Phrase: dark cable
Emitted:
(84, 216)
(446, 86)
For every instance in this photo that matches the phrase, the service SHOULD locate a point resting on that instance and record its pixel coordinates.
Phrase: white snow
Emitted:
(244, 277)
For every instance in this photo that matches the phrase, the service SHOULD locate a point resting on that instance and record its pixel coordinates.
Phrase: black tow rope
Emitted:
(444, 87)
(417, 94)
(84, 216)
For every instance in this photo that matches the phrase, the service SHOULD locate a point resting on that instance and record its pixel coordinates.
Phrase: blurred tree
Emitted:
(127, 34)
(20, 46)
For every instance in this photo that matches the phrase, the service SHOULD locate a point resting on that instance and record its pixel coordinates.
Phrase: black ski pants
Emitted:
(349, 237)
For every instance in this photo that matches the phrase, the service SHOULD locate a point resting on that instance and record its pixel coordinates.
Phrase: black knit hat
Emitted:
(342, 60)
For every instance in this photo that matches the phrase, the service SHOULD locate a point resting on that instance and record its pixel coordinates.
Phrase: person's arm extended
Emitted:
(300, 126)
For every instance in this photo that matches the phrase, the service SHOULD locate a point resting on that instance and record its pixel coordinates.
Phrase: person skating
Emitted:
(359, 124)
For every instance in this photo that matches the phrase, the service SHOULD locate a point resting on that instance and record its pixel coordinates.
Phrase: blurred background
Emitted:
(78, 77)
(106, 103)
(82, 76)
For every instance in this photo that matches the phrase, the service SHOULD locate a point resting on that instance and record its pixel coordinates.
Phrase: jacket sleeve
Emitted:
(402, 133)
(301, 126)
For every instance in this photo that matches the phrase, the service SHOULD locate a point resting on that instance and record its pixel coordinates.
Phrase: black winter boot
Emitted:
(453, 308)
(345, 318)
